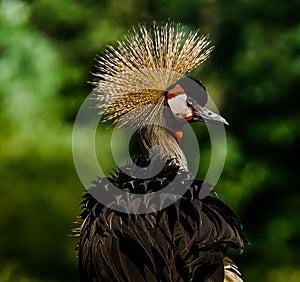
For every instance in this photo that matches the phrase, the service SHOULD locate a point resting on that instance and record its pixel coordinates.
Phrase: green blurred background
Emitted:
(47, 51)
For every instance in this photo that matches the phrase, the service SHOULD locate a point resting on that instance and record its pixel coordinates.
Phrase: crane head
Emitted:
(187, 99)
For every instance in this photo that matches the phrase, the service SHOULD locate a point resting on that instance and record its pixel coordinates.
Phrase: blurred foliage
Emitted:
(46, 56)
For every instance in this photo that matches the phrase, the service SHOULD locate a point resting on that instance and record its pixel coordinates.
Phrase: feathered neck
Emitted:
(158, 141)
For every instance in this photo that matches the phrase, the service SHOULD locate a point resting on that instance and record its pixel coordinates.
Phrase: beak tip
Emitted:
(226, 122)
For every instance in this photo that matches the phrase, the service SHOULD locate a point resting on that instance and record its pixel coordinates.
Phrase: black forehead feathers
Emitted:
(193, 88)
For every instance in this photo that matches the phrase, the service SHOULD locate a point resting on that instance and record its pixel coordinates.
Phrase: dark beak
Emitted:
(206, 115)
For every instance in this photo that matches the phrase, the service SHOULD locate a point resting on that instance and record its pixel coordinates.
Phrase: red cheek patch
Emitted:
(189, 118)
(177, 90)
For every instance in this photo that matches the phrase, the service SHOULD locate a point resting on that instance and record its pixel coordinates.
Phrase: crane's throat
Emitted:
(179, 135)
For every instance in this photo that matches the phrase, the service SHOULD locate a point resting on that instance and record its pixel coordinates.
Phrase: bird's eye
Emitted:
(190, 101)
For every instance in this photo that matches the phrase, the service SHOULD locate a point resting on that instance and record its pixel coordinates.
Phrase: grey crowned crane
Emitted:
(141, 83)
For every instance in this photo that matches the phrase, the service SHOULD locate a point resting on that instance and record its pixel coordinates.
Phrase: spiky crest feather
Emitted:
(136, 73)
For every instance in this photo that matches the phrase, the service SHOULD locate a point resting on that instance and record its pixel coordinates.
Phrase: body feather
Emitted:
(186, 241)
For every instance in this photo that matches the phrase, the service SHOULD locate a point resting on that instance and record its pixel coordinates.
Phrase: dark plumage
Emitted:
(142, 82)
(186, 241)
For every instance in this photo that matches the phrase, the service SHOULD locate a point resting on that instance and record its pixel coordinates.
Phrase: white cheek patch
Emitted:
(179, 107)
